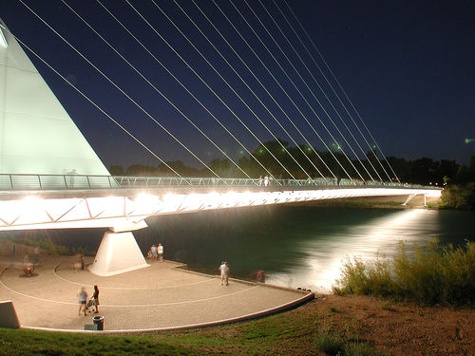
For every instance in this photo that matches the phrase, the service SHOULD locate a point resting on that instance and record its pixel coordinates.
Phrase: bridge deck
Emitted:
(160, 297)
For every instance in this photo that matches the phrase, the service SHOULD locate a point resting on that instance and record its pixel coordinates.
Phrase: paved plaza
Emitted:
(163, 296)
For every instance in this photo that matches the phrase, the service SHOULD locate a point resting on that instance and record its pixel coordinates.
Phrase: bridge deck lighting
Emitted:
(147, 202)
(23, 207)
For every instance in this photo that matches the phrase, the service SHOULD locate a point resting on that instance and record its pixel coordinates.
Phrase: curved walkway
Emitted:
(163, 296)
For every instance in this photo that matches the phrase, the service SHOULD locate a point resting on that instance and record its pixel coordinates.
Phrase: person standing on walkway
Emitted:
(95, 299)
(82, 300)
(153, 250)
(224, 272)
(36, 255)
(160, 252)
(261, 276)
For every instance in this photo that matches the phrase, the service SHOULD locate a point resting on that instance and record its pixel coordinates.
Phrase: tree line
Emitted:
(280, 160)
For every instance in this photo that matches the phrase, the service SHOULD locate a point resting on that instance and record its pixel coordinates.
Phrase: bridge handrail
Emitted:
(20, 182)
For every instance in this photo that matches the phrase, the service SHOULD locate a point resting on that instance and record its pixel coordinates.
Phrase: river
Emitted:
(296, 246)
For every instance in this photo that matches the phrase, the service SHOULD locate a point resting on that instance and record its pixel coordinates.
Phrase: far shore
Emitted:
(384, 202)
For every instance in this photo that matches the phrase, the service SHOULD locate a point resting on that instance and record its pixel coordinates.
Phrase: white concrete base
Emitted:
(8, 317)
(118, 253)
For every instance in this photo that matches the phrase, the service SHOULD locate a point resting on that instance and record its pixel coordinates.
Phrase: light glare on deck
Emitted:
(111, 211)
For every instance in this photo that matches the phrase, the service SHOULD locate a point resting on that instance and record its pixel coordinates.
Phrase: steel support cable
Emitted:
(298, 90)
(184, 88)
(280, 86)
(211, 89)
(333, 89)
(319, 86)
(157, 90)
(235, 93)
(341, 88)
(99, 108)
(154, 87)
(344, 123)
(311, 91)
(117, 87)
(250, 89)
(268, 70)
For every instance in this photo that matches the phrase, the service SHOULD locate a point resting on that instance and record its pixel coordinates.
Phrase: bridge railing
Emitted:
(20, 182)
(12, 182)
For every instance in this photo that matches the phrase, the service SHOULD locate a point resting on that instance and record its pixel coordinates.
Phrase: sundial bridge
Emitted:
(50, 177)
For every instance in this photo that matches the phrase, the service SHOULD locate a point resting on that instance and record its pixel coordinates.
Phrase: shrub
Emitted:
(430, 275)
(330, 344)
(365, 278)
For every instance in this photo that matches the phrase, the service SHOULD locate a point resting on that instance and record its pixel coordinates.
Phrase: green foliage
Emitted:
(418, 277)
(370, 278)
(53, 249)
(116, 170)
(459, 197)
(338, 344)
(429, 275)
(330, 344)
(27, 342)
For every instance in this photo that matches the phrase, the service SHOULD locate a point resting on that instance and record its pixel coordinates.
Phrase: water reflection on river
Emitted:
(321, 259)
(299, 246)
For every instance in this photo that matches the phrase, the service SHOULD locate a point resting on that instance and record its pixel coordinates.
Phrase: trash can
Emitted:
(98, 321)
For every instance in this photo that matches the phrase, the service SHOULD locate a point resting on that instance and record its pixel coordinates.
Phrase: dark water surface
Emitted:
(297, 246)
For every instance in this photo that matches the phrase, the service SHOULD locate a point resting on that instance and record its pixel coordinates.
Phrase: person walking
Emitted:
(82, 300)
(153, 250)
(160, 252)
(95, 299)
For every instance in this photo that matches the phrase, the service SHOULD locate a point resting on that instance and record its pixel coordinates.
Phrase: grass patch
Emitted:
(336, 344)
(28, 342)
(330, 344)
(429, 275)
(300, 332)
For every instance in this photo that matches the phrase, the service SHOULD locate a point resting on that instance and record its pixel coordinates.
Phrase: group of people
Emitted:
(155, 253)
(264, 181)
(84, 302)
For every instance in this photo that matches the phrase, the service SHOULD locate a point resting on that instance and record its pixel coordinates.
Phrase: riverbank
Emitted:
(391, 328)
(390, 202)
(365, 323)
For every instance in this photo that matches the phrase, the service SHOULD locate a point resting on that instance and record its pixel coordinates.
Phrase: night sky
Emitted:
(407, 67)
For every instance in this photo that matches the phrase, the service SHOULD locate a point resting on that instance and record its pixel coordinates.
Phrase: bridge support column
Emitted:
(409, 198)
(118, 253)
